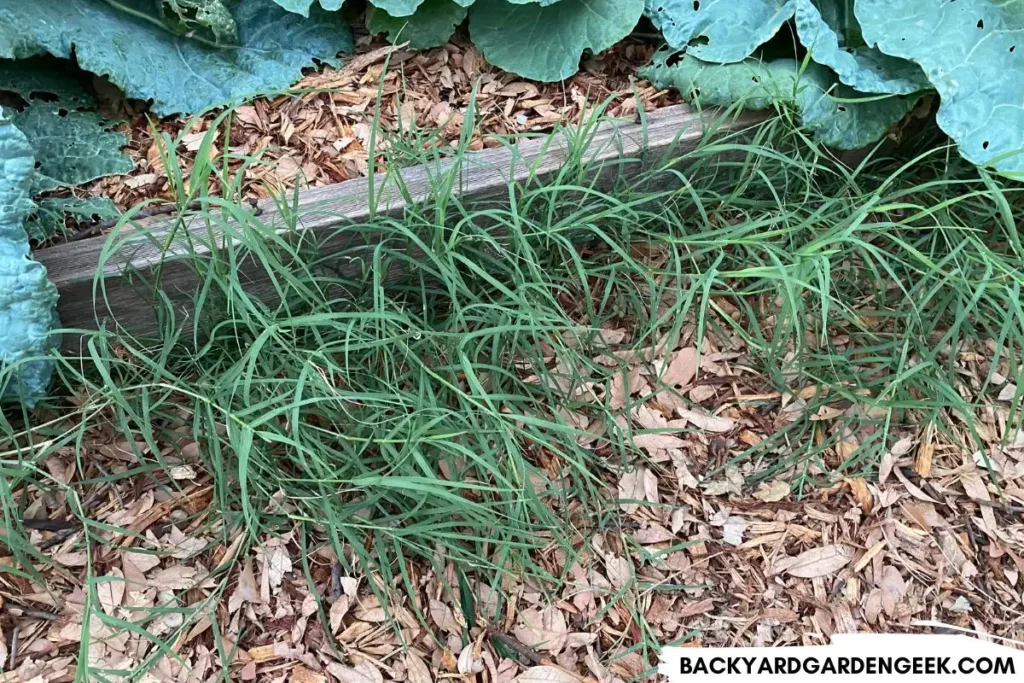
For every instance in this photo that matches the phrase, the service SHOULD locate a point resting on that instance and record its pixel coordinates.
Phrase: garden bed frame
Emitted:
(485, 174)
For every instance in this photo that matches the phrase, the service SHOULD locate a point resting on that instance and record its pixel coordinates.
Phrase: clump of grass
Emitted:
(413, 397)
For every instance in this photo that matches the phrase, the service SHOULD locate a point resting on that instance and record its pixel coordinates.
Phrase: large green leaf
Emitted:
(72, 143)
(825, 109)
(719, 30)
(433, 24)
(545, 43)
(864, 68)
(398, 8)
(972, 51)
(178, 73)
(302, 6)
(27, 298)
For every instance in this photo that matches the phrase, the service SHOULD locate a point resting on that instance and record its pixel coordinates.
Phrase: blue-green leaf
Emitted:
(72, 143)
(52, 212)
(178, 73)
(824, 109)
(27, 298)
(862, 68)
(719, 30)
(972, 52)
(302, 6)
(433, 24)
(545, 43)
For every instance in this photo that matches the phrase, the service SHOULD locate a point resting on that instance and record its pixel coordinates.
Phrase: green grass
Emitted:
(423, 419)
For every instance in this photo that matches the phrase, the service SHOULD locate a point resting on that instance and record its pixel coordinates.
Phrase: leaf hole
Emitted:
(981, 23)
(984, 145)
(1012, 48)
(695, 93)
(841, 108)
(696, 5)
(62, 112)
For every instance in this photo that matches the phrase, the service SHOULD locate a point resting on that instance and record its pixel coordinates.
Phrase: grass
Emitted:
(429, 417)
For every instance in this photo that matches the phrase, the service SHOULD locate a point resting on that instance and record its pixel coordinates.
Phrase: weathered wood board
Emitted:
(618, 149)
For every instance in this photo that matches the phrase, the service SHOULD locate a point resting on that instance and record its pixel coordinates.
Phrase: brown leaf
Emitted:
(682, 367)
(815, 562)
(709, 423)
(111, 591)
(543, 629)
(301, 674)
(692, 609)
(418, 670)
(444, 617)
(657, 442)
(773, 492)
(339, 608)
(545, 674)
(861, 493)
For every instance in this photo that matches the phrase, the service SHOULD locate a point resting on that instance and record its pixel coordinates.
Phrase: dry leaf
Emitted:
(545, 674)
(111, 591)
(301, 674)
(444, 617)
(709, 423)
(418, 670)
(861, 493)
(620, 571)
(815, 562)
(543, 629)
(692, 609)
(339, 608)
(773, 492)
(681, 368)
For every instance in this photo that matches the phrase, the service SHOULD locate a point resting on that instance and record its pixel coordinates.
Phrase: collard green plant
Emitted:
(545, 40)
(834, 114)
(27, 297)
(719, 30)
(71, 142)
(432, 24)
(972, 52)
(180, 73)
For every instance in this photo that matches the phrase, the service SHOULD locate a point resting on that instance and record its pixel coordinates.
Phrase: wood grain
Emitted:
(129, 263)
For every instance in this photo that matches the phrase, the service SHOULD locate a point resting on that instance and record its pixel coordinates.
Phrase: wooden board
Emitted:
(615, 150)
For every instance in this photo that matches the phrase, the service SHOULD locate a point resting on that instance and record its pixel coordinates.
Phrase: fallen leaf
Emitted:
(682, 367)
(417, 669)
(444, 617)
(815, 562)
(339, 608)
(543, 629)
(1007, 392)
(620, 571)
(709, 423)
(301, 674)
(861, 493)
(692, 609)
(657, 442)
(773, 492)
(111, 591)
(545, 674)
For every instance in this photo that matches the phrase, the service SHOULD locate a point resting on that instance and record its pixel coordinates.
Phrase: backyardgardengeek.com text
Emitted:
(872, 666)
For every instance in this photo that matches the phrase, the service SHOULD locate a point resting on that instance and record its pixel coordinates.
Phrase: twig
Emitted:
(162, 210)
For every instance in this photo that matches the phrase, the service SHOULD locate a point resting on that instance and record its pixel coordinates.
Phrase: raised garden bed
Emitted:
(616, 150)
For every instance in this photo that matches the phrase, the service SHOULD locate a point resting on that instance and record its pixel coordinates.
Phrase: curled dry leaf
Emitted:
(815, 562)
(773, 492)
(444, 617)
